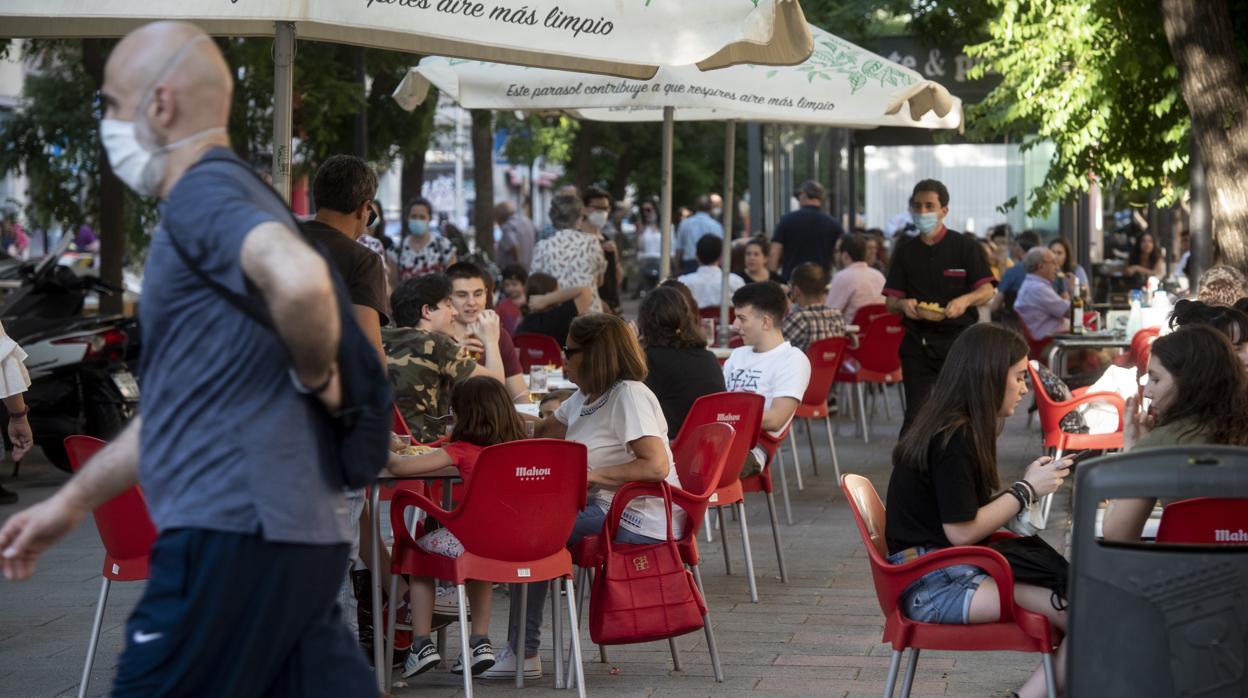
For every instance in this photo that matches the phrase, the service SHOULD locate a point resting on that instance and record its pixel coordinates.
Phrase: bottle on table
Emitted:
(1076, 309)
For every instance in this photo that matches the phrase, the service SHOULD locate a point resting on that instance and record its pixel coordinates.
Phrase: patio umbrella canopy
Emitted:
(626, 38)
(840, 84)
(622, 38)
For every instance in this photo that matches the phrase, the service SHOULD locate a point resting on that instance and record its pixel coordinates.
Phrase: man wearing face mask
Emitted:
(693, 229)
(946, 272)
(252, 543)
(597, 222)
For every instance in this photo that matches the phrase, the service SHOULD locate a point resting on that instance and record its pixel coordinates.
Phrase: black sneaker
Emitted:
(422, 658)
(482, 653)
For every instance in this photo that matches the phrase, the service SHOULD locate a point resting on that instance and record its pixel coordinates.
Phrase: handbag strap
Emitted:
(610, 527)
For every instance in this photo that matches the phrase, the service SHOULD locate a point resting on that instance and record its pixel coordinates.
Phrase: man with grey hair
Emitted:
(1042, 310)
(693, 229)
(230, 446)
(805, 235)
(515, 245)
(573, 257)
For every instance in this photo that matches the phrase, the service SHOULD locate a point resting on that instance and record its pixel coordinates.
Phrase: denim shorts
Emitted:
(940, 596)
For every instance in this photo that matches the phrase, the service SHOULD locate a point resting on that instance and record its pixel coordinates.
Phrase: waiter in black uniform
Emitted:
(939, 266)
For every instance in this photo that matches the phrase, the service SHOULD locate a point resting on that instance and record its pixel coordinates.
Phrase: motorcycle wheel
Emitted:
(104, 419)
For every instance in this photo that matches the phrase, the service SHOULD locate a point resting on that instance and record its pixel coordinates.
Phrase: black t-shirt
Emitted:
(948, 492)
(553, 322)
(677, 377)
(937, 273)
(808, 235)
(359, 267)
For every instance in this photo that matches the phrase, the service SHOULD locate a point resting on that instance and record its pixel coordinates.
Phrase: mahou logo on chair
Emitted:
(727, 417)
(532, 473)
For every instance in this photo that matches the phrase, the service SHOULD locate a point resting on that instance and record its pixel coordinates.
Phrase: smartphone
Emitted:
(1077, 458)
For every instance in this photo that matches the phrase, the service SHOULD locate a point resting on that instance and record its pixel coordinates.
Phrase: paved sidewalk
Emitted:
(817, 635)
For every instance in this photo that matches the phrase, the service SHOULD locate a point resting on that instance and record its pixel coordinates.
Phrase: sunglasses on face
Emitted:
(569, 352)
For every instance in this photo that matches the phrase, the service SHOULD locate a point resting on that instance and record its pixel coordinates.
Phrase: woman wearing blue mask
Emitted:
(423, 250)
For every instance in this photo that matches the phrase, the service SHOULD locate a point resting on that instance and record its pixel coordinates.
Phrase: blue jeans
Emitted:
(940, 596)
(588, 522)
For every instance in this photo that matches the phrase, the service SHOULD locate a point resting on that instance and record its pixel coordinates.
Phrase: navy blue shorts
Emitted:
(228, 614)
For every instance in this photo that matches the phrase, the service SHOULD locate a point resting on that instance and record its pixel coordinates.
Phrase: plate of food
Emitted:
(417, 449)
(930, 311)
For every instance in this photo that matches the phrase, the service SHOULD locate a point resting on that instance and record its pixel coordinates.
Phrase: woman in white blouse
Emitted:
(621, 423)
(13, 382)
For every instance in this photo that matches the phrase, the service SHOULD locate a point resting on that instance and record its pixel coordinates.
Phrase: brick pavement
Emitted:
(817, 635)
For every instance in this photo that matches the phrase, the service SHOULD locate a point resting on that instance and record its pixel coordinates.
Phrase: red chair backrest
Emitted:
(1204, 520)
(864, 315)
(125, 527)
(741, 411)
(523, 499)
(1035, 347)
(537, 349)
(1046, 407)
(880, 343)
(870, 517)
(701, 456)
(712, 312)
(1140, 343)
(825, 357)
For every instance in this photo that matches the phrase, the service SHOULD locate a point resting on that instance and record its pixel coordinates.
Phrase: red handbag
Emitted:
(642, 592)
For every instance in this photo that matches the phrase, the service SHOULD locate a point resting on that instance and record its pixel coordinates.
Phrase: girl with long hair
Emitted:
(1145, 260)
(1067, 270)
(941, 492)
(1199, 393)
(484, 416)
(755, 268)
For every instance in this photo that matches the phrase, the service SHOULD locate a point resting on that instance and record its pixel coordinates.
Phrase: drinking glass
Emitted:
(537, 379)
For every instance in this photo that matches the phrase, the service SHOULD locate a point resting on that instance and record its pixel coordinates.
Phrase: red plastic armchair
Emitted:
(1035, 347)
(1051, 413)
(1139, 341)
(868, 313)
(127, 532)
(1018, 630)
(537, 349)
(876, 360)
(1204, 520)
(825, 357)
(700, 453)
(744, 413)
(514, 523)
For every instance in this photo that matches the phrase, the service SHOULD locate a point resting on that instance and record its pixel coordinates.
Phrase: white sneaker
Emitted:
(505, 666)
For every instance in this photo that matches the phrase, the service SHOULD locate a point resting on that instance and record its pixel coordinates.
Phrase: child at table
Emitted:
(484, 416)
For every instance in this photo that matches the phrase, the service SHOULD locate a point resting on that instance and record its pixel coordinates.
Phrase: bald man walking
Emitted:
(242, 596)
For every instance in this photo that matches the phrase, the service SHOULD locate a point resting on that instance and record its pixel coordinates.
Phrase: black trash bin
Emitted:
(1154, 619)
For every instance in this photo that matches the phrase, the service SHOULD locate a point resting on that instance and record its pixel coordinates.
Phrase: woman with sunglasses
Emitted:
(621, 424)
(649, 245)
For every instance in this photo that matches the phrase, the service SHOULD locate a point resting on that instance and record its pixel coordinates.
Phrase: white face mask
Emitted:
(135, 157)
(598, 218)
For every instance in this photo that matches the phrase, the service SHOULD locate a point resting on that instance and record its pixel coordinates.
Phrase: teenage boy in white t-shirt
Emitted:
(767, 364)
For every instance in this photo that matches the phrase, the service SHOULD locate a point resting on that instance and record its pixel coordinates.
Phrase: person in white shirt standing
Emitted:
(707, 282)
(856, 284)
(767, 364)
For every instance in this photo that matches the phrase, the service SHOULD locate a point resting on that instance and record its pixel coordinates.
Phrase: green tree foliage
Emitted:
(1095, 77)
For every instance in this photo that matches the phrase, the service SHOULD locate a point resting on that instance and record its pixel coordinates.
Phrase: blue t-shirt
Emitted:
(226, 443)
(1012, 279)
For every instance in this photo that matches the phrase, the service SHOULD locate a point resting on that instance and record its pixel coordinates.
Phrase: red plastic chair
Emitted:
(1051, 413)
(876, 360)
(537, 349)
(867, 313)
(1018, 630)
(701, 454)
(744, 413)
(127, 532)
(1139, 341)
(514, 524)
(1204, 520)
(825, 357)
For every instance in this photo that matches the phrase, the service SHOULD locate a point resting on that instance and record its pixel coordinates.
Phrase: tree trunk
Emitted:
(483, 178)
(1202, 39)
(111, 196)
(583, 156)
(412, 179)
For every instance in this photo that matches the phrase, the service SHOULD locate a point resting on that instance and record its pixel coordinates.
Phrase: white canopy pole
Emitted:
(283, 80)
(730, 156)
(665, 204)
